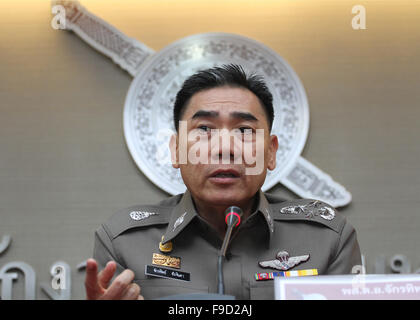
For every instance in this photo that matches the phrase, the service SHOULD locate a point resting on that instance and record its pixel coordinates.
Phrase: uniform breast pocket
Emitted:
(264, 291)
(161, 288)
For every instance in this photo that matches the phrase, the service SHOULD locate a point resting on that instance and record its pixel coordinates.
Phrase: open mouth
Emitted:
(224, 176)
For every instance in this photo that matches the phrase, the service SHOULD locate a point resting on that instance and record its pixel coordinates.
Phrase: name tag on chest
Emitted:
(160, 272)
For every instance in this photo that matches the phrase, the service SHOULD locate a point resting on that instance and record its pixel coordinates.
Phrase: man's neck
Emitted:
(214, 215)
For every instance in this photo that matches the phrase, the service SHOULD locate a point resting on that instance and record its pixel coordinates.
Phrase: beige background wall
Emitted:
(64, 165)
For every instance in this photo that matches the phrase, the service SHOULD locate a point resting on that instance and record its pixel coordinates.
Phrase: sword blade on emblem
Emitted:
(126, 52)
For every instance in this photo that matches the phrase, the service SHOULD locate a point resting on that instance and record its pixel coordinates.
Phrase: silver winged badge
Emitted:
(283, 261)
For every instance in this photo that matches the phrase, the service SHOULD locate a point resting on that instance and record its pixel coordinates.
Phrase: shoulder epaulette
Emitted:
(309, 210)
(141, 216)
(137, 216)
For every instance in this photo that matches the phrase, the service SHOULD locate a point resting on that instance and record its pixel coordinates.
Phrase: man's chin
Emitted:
(226, 198)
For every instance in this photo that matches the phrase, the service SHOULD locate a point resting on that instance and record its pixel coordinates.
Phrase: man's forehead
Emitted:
(243, 115)
(224, 100)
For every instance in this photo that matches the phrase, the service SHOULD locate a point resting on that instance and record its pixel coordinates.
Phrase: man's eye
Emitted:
(246, 133)
(246, 130)
(204, 128)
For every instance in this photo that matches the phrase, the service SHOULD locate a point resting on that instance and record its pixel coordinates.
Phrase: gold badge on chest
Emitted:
(166, 261)
(165, 248)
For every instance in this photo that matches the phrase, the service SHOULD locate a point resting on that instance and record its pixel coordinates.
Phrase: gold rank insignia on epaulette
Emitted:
(310, 210)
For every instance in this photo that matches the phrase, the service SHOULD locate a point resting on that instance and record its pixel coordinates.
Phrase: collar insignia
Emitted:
(179, 221)
(270, 221)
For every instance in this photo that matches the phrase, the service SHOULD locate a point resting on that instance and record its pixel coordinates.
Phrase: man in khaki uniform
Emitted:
(172, 247)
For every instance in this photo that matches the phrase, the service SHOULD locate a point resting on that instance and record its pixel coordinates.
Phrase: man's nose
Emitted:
(225, 147)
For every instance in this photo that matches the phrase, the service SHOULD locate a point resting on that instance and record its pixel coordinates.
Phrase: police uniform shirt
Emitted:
(293, 228)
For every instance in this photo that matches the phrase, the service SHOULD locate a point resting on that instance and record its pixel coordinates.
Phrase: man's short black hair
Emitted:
(230, 75)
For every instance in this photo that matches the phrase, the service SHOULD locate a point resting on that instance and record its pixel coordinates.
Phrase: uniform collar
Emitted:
(184, 212)
(264, 209)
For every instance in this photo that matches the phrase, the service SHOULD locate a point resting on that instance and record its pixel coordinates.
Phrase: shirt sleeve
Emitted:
(348, 252)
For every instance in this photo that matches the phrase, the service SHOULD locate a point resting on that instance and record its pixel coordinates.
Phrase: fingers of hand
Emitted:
(91, 279)
(119, 285)
(106, 274)
(131, 293)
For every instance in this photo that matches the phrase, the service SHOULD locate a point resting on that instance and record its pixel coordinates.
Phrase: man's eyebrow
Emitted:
(243, 115)
(214, 114)
(205, 114)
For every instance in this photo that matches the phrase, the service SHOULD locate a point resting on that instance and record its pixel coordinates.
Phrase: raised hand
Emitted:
(98, 286)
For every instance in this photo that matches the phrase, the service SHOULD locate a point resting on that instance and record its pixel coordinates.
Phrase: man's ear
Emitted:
(272, 152)
(173, 147)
